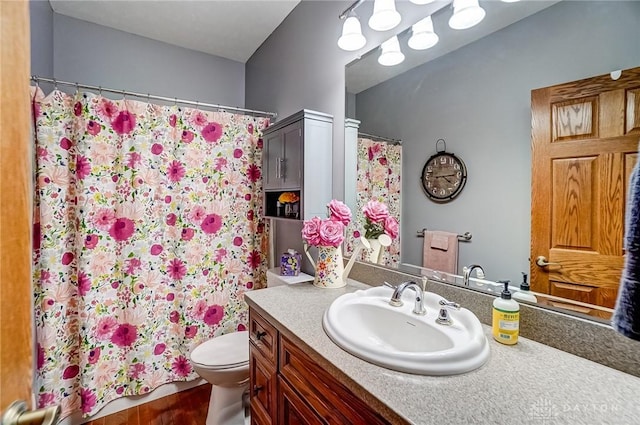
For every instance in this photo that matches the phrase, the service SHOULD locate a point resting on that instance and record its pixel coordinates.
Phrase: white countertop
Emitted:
(529, 383)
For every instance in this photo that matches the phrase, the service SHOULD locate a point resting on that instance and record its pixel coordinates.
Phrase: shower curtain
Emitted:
(379, 167)
(147, 233)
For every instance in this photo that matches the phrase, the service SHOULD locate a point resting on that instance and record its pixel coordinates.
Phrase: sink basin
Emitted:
(365, 325)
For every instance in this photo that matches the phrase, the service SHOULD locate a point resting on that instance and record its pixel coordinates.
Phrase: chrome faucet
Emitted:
(396, 298)
(467, 273)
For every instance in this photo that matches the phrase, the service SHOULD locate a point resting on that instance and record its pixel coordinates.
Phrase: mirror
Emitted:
(478, 99)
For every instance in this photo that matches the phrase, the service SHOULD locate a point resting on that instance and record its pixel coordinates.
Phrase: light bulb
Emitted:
(466, 13)
(423, 36)
(351, 38)
(385, 16)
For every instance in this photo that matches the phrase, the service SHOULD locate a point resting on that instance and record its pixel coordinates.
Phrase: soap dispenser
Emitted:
(506, 317)
(525, 294)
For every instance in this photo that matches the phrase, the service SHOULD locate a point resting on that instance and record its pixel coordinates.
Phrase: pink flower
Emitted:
(77, 109)
(250, 128)
(122, 229)
(220, 254)
(40, 357)
(87, 400)
(136, 369)
(133, 264)
(212, 132)
(375, 149)
(237, 241)
(200, 309)
(339, 211)
(156, 149)
(171, 219)
(106, 109)
(237, 153)
(84, 284)
(45, 399)
(220, 163)
(211, 224)
(331, 233)
(67, 258)
(105, 327)
(311, 231)
(253, 173)
(213, 315)
(190, 331)
(197, 213)
(181, 366)
(187, 234)
(391, 227)
(65, 143)
(197, 118)
(172, 120)
(176, 269)
(83, 167)
(159, 349)
(174, 317)
(254, 259)
(156, 249)
(187, 136)
(104, 218)
(176, 171)
(134, 159)
(71, 372)
(94, 355)
(124, 123)
(125, 335)
(376, 211)
(93, 128)
(91, 241)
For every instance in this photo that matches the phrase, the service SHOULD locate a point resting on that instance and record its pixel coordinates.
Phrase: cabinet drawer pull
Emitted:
(260, 335)
(256, 389)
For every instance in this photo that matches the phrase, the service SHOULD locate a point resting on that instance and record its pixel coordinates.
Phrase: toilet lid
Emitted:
(225, 351)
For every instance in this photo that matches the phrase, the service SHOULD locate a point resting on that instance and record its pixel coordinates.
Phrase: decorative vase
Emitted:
(378, 246)
(329, 267)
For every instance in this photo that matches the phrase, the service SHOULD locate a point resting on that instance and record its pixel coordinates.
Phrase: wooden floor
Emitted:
(184, 408)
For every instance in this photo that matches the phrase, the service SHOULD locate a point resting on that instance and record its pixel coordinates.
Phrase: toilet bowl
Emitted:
(223, 361)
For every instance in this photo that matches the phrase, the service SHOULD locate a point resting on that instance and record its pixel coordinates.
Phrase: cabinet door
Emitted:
(291, 168)
(262, 389)
(273, 156)
(293, 410)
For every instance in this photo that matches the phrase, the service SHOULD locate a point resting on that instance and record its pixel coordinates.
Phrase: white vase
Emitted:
(378, 248)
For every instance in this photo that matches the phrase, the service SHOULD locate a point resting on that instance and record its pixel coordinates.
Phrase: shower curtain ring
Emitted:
(175, 101)
(37, 80)
(99, 90)
(124, 95)
(77, 88)
(55, 84)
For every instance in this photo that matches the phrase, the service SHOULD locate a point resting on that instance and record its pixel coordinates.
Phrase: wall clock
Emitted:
(443, 176)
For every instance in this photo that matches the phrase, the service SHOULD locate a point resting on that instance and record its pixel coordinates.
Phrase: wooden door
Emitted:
(585, 138)
(15, 202)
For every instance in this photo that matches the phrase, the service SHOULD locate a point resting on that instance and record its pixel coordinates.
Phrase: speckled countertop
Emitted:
(529, 383)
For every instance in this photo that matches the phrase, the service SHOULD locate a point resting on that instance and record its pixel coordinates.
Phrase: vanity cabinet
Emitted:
(297, 157)
(288, 387)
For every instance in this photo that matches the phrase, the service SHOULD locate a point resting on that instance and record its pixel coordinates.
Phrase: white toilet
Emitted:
(223, 361)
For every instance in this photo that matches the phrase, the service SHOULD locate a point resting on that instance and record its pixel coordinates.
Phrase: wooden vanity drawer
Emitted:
(263, 388)
(264, 336)
(331, 400)
(293, 409)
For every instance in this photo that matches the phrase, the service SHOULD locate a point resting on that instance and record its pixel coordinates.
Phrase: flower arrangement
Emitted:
(330, 231)
(288, 197)
(379, 221)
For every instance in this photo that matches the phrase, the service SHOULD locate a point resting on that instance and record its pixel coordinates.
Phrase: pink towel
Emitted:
(440, 251)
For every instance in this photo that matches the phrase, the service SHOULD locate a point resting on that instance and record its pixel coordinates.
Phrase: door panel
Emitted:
(15, 202)
(584, 144)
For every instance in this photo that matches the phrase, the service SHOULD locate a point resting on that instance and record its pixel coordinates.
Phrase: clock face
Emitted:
(443, 177)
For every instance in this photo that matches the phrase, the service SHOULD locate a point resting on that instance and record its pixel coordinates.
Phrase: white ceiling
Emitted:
(232, 29)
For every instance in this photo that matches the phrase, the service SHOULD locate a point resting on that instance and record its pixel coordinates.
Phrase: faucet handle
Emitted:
(444, 318)
(449, 304)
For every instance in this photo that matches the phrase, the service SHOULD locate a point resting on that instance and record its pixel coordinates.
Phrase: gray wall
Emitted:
(478, 100)
(97, 55)
(41, 26)
(301, 67)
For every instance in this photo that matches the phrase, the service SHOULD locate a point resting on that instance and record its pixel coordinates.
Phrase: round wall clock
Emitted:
(443, 177)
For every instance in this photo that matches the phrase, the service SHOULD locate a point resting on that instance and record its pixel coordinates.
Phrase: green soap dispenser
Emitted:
(506, 317)
(525, 294)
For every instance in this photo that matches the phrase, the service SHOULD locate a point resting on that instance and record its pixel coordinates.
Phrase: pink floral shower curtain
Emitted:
(147, 233)
(379, 167)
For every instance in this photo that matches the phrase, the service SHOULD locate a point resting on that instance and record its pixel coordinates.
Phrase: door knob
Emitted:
(542, 262)
(17, 414)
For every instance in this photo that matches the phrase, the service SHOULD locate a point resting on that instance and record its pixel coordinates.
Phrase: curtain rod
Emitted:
(380, 138)
(100, 89)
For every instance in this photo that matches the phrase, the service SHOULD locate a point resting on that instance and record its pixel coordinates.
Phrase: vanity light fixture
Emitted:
(466, 13)
(423, 35)
(385, 16)
(352, 38)
(391, 53)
